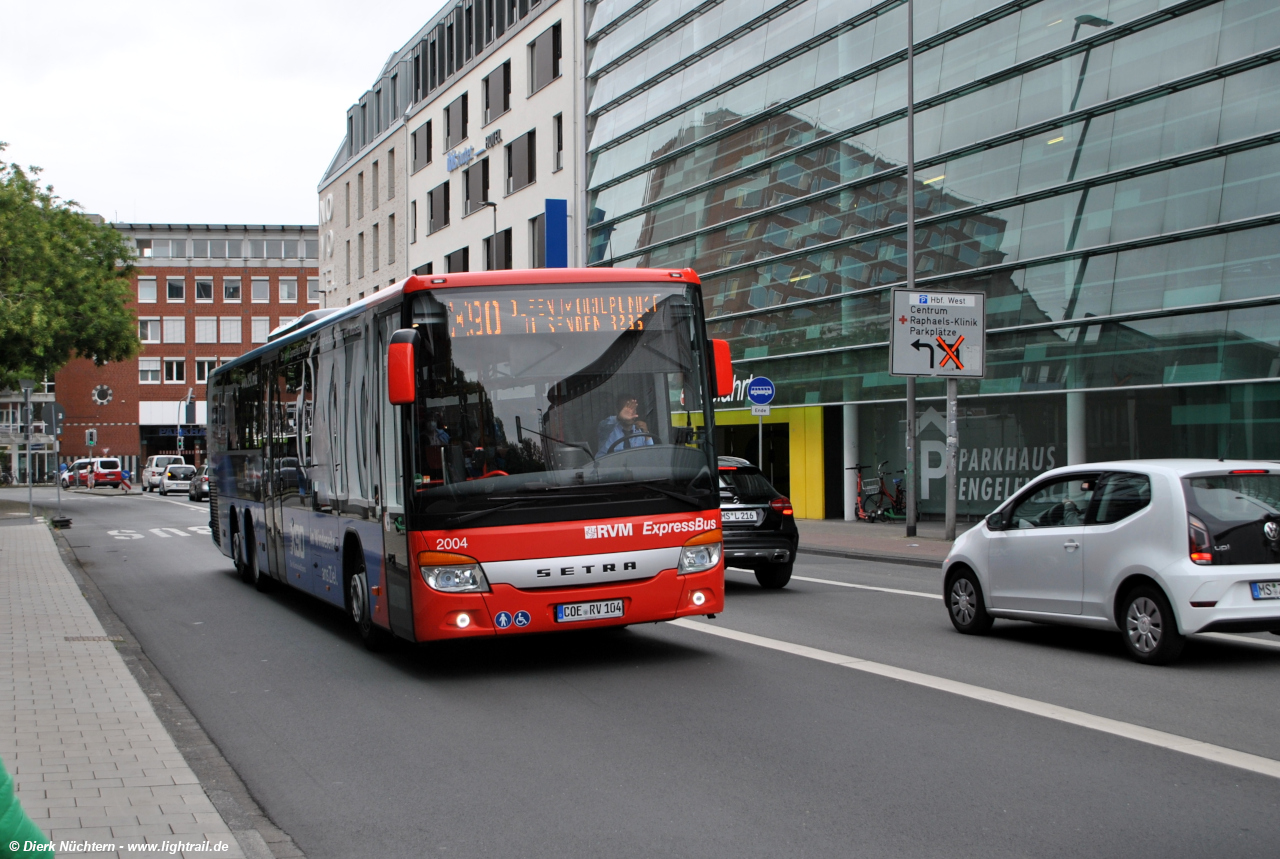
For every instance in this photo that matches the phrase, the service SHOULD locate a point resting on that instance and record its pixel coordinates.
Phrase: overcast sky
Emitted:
(180, 112)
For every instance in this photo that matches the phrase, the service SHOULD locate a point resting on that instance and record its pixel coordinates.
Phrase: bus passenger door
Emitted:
(394, 607)
(274, 380)
(282, 482)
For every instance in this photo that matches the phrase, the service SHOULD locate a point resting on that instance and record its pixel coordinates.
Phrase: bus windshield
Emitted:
(555, 402)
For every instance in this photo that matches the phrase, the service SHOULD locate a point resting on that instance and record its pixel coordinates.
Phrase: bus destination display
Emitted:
(581, 313)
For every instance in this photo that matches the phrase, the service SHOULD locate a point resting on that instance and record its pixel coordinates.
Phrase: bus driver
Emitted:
(626, 424)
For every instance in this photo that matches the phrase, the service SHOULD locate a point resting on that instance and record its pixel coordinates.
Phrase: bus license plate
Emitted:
(1266, 590)
(571, 612)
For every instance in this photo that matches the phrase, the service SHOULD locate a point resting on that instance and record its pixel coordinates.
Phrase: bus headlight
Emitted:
(697, 559)
(702, 552)
(452, 574)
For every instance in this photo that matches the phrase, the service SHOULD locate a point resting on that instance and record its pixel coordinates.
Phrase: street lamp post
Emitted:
(182, 405)
(911, 262)
(28, 417)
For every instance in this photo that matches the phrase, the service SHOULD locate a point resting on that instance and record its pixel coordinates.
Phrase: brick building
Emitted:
(203, 294)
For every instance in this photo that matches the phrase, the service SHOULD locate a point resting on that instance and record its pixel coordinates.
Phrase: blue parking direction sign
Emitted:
(760, 391)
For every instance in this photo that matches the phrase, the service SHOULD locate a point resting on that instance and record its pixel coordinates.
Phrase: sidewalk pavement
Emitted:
(90, 759)
(878, 541)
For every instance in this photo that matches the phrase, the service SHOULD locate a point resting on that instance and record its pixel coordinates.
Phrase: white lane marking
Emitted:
(1226, 637)
(160, 532)
(1239, 639)
(868, 587)
(179, 503)
(1149, 736)
(125, 534)
(200, 529)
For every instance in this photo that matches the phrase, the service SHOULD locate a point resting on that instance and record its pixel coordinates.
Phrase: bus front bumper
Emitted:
(666, 596)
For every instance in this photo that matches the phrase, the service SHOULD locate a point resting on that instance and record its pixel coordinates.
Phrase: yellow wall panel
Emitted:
(808, 492)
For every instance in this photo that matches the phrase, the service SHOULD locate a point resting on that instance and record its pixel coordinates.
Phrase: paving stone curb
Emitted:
(259, 837)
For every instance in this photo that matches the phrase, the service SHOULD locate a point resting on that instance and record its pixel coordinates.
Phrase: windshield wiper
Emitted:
(520, 430)
(467, 517)
(687, 499)
(516, 502)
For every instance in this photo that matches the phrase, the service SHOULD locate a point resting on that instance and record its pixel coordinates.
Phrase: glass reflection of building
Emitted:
(1108, 172)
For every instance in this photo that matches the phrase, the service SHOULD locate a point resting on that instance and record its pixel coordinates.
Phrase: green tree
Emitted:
(64, 282)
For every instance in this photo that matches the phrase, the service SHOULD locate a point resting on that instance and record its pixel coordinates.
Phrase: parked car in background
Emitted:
(154, 470)
(1158, 549)
(199, 487)
(759, 523)
(176, 478)
(105, 472)
(76, 474)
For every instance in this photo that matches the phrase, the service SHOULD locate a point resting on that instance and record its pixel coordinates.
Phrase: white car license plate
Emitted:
(571, 612)
(1266, 590)
(737, 516)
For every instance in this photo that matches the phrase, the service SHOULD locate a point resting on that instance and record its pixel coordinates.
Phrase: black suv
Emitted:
(759, 525)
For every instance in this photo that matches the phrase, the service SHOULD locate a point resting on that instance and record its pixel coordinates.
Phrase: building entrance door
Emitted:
(742, 440)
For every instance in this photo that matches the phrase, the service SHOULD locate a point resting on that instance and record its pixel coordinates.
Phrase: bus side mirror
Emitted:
(722, 365)
(402, 386)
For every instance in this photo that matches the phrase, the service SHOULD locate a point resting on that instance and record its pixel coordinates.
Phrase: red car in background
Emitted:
(104, 472)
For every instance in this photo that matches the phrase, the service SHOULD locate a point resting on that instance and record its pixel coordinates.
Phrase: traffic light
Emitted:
(179, 442)
(90, 437)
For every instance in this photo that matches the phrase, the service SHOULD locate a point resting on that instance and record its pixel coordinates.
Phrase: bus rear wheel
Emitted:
(373, 636)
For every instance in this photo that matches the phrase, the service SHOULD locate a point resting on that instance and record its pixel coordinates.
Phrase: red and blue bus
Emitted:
(480, 454)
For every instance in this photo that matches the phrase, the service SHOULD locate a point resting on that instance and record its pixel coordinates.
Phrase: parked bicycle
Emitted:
(864, 492)
(890, 501)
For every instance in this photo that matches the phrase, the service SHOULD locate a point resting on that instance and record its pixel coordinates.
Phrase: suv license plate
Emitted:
(571, 612)
(1266, 590)
(737, 515)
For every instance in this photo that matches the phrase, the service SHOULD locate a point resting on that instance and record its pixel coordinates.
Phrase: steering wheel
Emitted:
(627, 438)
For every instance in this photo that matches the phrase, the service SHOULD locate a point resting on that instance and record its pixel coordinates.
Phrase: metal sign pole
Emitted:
(31, 510)
(953, 442)
(910, 474)
(57, 477)
(760, 392)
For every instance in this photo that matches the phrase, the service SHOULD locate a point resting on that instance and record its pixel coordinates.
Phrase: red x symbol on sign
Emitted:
(949, 353)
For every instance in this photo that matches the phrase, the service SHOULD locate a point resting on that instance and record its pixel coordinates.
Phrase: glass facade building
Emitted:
(1107, 172)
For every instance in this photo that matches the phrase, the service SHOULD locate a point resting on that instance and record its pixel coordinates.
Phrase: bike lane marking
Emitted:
(1138, 733)
(127, 534)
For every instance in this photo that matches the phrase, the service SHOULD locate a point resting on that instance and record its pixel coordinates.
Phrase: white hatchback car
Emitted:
(176, 478)
(1159, 549)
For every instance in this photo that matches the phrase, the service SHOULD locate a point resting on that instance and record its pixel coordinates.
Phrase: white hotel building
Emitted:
(455, 159)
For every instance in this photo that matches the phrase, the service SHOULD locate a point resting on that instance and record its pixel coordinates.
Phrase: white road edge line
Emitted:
(868, 587)
(1231, 638)
(1149, 736)
(1226, 637)
(179, 503)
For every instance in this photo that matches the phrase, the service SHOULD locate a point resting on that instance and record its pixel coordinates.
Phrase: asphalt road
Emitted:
(663, 740)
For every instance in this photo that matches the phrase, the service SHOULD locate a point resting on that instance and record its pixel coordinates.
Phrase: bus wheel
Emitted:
(248, 559)
(237, 552)
(373, 636)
